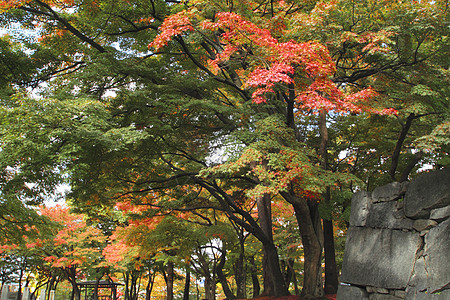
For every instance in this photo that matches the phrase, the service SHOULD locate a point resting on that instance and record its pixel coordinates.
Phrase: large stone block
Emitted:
(360, 208)
(348, 292)
(382, 297)
(388, 192)
(418, 295)
(428, 191)
(382, 215)
(440, 213)
(419, 278)
(437, 256)
(379, 257)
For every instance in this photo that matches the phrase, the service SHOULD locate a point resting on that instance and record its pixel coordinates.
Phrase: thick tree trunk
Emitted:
(169, 281)
(331, 276)
(76, 294)
(274, 283)
(187, 284)
(265, 220)
(331, 279)
(255, 280)
(223, 280)
(312, 247)
(240, 276)
(210, 288)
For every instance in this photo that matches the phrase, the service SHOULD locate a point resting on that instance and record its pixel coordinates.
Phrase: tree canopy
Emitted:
(218, 114)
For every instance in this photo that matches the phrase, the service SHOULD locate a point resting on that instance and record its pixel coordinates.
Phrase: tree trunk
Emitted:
(240, 277)
(230, 207)
(331, 276)
(223, 280)
(187, 284)
(331, 279)
(169, 282)
(398, 147)
(255, 280)
(210, 288)
(96, 289)
(312, 282)
(149, 287)
(265, 220)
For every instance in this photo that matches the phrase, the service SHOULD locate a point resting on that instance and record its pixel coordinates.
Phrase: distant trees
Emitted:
(202, 120)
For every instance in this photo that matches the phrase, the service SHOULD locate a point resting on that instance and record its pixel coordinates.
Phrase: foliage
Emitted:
(183, 115)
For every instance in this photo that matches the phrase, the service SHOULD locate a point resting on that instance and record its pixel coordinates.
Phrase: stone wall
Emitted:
(398, 243)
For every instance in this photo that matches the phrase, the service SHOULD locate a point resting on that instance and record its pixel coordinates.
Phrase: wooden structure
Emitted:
(91, 285)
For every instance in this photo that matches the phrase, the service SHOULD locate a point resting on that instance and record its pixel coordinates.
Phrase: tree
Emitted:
(249, 79)
(73, 248)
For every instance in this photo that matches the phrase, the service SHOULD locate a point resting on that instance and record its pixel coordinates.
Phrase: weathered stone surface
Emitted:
(382, 297)
(388, 192)
(424, 295)
(419, 278)
(383, 215)
(424, 224)
(371, 254)
(428, 191)
(361, 202)
(348, 292)
(374, 289)
(439, 214)
(437, 253)
(398, 293)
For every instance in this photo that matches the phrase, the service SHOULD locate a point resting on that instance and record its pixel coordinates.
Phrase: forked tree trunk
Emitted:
(149, 287)
(312, 247)
(222, 278)
(274, 283)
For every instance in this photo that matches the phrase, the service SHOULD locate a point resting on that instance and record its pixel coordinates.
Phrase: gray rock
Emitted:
(424, 224)
(439, 214)
(374, 289)
(424, 295)
(444, 295)
(428, 191)
(349, 292)
(388, 192)
(419, 278)
(379, 257)
(383, 215)
(399, 293)
(361, 202)
(437, 253)
(382, 297)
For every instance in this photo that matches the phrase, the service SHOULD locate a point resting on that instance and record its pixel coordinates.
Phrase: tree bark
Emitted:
(169, 282)
(239, 276)
(331, 276)
(331, 279)
(187, 284)
(398, 147)
(149, 287)
(265, 220)
(248, 222)
(255, 280)
(312, 247)
(223, 280)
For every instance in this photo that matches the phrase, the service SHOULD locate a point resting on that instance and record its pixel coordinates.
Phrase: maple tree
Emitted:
(272, 87)
(73, 247)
